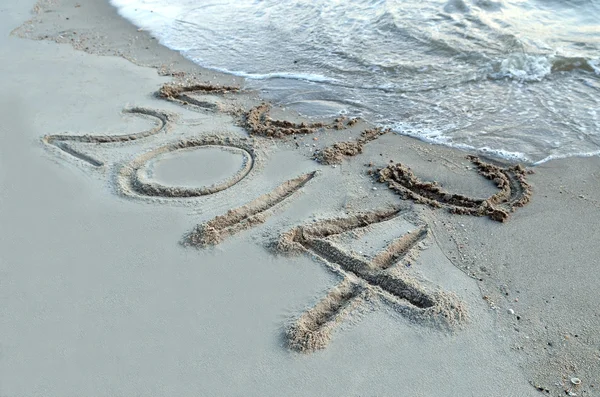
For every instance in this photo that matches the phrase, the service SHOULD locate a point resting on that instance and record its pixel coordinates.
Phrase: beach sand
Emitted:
(126, 270)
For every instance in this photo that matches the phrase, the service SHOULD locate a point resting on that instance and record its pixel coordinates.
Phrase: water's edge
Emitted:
(512, 108)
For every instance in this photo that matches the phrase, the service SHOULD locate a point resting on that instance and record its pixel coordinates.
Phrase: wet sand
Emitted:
(280, 276)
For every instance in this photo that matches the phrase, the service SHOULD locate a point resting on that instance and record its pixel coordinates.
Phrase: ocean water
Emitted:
(518, 79)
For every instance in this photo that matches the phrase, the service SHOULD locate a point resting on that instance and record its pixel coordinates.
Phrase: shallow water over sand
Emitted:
(517, 79)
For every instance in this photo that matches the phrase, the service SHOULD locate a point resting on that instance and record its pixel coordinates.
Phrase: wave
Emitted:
(439, 138)
(443, 71)
(315, 78)
(528, 67)
(566, 156)
(522, 67)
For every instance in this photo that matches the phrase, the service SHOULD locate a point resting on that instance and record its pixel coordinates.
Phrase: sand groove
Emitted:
(246, 216)
(181, 93)
(313, 330)
(132, 180)
(335, 153)
(377, 277)
(399, 248)
(61, 141)
(514, 191)
(258, 122)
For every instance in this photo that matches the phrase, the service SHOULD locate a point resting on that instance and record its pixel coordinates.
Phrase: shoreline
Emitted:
(528, 284)
(489, 148)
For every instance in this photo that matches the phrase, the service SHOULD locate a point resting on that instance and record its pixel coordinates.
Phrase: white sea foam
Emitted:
(315, 78)
(522, 67)
(439, 138)
(567, 155)
(504, 154)
(155, 15)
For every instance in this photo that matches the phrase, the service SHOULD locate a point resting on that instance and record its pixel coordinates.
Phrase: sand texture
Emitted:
(323, 263)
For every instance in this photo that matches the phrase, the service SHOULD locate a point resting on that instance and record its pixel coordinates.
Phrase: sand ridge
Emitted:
(335, 153)
(181, 93)
(258, 122)
(255, 212)
(380, 277)
(514, 190)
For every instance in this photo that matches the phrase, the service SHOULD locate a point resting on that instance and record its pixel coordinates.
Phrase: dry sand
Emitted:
(398, 296)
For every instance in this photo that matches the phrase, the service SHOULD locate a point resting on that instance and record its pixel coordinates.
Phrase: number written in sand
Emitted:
(378, 278)
(63, 142)
(131, 178)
